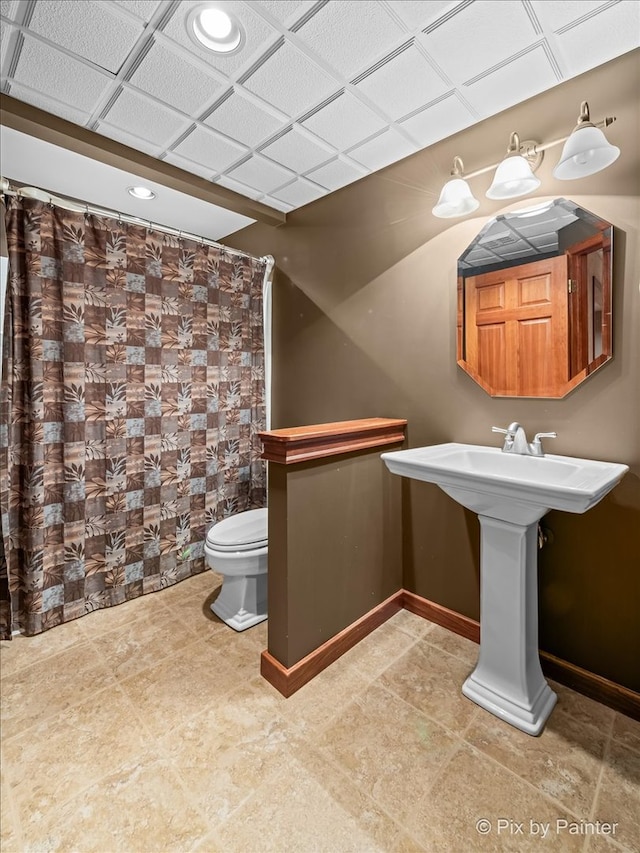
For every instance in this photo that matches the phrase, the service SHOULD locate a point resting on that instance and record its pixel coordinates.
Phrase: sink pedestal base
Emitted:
(508, 679)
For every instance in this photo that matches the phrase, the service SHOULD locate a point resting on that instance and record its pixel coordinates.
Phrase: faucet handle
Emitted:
(499, 429)
(536, 444)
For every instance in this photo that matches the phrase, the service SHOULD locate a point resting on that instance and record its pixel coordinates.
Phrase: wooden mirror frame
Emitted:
(531, 328)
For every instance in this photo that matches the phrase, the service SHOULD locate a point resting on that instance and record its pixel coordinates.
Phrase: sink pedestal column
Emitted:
(508, 679)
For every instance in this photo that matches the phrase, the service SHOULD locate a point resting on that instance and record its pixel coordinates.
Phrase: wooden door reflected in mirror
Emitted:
(534, 301)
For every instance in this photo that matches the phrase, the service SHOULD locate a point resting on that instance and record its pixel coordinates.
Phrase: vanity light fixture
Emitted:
(212, 27)
(142, 193)
(586, 152)
(514, 176)
(456, 198)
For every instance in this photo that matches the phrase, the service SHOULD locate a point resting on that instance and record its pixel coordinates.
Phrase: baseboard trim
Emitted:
(594, 686)
(288, 680)
(581, 680)
(456, 622)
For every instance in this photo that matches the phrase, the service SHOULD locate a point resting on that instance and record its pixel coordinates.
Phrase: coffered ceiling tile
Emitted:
(56, 75)
(258, 35)
(286, 11)
(299, 192)
(176, 81)
(261, 174)
(612, 32)
(136, 114)
(210, 150)
(338, 173)
(349, 35)
(554, 14)
(382, 150)
(403, 84)
(438, 121)
(141, 8)
(279, 205)
(479, 37)
(237, 187)
(344, 122)
(291, 81)
(200, 169)
(297, 151)
(417, 13)
(49, 105)
(511, 84)
(95, 32)
(242, 119)
(130, 139)
(8, 36)
(9, 9)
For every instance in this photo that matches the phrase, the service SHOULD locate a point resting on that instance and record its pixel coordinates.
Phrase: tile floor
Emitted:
(147, 727)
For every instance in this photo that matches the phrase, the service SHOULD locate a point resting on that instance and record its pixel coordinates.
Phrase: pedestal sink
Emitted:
(510, 493)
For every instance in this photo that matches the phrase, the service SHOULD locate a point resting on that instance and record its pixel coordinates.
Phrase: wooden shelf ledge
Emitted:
(301, 444)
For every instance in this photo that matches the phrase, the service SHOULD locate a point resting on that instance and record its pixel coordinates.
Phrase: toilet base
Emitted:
(242, 602)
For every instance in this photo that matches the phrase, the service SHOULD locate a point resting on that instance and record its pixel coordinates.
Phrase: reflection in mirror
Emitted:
(534, 301)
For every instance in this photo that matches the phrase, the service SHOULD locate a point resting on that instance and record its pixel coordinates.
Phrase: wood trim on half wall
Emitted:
(287, 681)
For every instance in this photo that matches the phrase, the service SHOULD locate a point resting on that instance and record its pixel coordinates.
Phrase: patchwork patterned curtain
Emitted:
(132, 394)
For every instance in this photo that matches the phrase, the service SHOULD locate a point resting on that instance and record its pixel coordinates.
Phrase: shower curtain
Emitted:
(132, 395)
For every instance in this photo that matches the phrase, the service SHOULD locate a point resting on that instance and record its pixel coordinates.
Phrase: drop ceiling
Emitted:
(322, 93)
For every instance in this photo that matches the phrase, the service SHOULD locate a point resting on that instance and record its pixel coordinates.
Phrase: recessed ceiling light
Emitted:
(212, 27)
(143, 193)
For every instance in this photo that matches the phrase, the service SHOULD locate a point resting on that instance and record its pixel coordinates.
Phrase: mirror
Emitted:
(534, 301)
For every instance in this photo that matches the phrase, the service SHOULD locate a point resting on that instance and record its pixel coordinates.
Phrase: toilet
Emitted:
(236, 548)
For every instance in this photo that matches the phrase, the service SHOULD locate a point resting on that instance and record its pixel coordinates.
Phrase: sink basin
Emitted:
(506, 485)
(510, 493)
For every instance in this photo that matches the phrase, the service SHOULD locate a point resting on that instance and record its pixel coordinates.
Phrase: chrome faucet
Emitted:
(516, 440)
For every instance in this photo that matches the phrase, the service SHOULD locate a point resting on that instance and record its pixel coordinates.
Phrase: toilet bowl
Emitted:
(236, 548)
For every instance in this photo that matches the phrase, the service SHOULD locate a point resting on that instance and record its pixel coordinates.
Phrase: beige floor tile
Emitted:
(51, 686)
(605, 844)
(10, 839)
(413, 625)
(463, 810)
(23, 651)
(141, 643)
(431, 680)
(225, 753)
(57, 758)
(627, 731)
(581, 708)
(563, 762)
(183, 685)
(308, 808)
(619, 795)
(132, 811)
(455, 645)
(113, 618)
(372, 655)
(323, 698)
(387, 748)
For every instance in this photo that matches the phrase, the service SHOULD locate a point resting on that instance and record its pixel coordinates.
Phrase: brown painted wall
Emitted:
(364, 325)
(335, 548)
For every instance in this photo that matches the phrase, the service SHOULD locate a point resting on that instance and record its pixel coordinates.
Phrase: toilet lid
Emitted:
(241, 532)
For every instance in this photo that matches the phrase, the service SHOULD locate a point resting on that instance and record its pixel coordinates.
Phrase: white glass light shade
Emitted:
(456, 199)
(513, 178)
(585, 152)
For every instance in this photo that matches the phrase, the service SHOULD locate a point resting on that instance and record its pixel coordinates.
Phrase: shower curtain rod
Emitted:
(84, 207)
